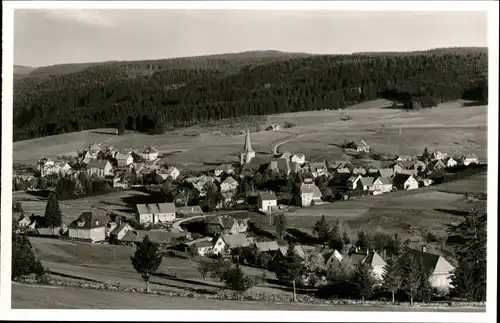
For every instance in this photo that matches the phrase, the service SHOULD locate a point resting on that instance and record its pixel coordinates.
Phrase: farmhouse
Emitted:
(273, 126)
(99, 168)
(318, 169)
(156, 213)
(203, 245)
(229, 184)
(450, 162)
(435, 168)
(382, 185)
(150, 154)
(119, 231)
(224, 169)
(297, 249)
(237, 240)
(440, 269)
(386, 172)
(405, 182)
(372, 259)
(279, 165)
(437, 155)
(361, 145)
(332, 258)
(267, 201)
(310, 194)
(285, 155)
(61, 167)
(469, 158)
(226, 224)
(299, 159)
(365, 183)
(352, 182)
(123, 159)
(89, 226)
(248, 153)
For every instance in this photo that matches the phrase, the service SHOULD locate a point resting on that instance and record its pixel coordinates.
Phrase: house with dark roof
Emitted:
(149, 154)
(404, 182)
(187, 211)
(365, 183)
(119, 231)
(155, 213)
(161, 237)
(89, 226)
(297, 249)
(279, 165)
(226, 224)
(436, 168)
(99, 168)
(385, 172)
(352, 182)
(439, 268)
(229, 184)
(267, 201)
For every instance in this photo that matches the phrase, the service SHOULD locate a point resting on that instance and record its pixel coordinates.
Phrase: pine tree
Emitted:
(280, 226)
(426, 156)
(321, 229)
(53, 216)
(410, 276)
(146, 259)
(289, 268)
(363, 240)
(362, 281)
(24, 261)
(335, 240)
(391, 278)
(236, 280)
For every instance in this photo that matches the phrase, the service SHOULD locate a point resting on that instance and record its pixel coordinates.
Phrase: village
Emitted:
(205, 214)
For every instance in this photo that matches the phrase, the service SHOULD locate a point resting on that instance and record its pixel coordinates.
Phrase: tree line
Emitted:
(164, 98)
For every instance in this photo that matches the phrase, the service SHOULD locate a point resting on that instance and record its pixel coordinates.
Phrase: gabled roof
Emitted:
(163, 237)
(156, 208)
(367, 181)
(89, 220)
(409, 172)
(353, 178)
(344, 170)
(267, 195)
(297, 249)
(372, 258)
(358, 170)
(248, 143)
(400, 179)
(97, 163)
(470, 156)
(437, 163)
(383, 180)
(361, 143)
(119, 228)
(310, 188)
(237, 240)
(429, 260)
(150, 150)
(332, 255)
(267, 246)
(226, 222)
(230, 180)
(386, 172)
(256, 162)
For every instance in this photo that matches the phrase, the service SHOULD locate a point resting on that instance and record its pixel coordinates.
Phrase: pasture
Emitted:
(120, 203)
(451, 127)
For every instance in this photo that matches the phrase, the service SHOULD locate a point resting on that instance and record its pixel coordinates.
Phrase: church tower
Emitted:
(248, 153)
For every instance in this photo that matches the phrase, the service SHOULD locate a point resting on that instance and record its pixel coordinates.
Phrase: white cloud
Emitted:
(82, 16)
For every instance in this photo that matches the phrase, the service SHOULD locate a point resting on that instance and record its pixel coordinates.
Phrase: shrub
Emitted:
(289, 124)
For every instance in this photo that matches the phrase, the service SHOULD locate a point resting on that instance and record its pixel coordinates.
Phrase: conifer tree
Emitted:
(53, 216)
(410, 276)
(321, 229)
(146, 259)
(391, 278)
(289, 268)
(362, 281)
(24, 261)
(236, 280)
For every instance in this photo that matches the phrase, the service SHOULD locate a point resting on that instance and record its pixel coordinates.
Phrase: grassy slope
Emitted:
(25, 297)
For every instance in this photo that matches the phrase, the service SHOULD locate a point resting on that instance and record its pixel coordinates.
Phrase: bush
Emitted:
(289, 124)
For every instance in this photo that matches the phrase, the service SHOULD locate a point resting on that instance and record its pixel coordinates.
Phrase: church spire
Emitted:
(248, 143)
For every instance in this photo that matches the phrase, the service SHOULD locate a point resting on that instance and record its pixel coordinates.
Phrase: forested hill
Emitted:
(158, 95)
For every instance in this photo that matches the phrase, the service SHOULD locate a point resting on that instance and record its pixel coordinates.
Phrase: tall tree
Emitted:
(235, 279)
(212, 196)
(426, 156)
(362, 281)
(335, 239)
(24, 261)
(322, 229)
(289, 268)
(146, 259)
(280, 226)
(364, 240)
(410, 276)
(53, 216)
(469, 277)
(391, 278)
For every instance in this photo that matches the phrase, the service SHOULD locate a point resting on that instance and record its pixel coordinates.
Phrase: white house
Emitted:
(469, 158)
(373, 260)
(124, 159)
(450, 162)
(229, 184)
(119, 231)
(441, 270)
(299, 159)
(361, 145)
(267, 201)
(99, 168)
(310, 194)
(438, 155)
(89, 226)
(365, 183)
(405, 182)
(381, 185)
(150, 154)
(156, 213)
(273, 126)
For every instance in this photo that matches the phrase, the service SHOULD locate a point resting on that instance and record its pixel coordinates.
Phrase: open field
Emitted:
(450, 128)
(121, 203)
(49, 297)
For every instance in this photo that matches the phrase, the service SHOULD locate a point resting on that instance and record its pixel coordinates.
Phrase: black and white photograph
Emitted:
(235, 159)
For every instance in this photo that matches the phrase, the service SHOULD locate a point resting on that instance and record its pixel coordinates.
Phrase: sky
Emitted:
(56, 36)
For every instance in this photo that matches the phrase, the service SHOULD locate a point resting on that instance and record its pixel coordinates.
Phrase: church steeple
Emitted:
(248, 153)
(248, 143)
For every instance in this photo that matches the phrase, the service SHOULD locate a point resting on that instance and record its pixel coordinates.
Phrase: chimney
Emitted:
(424, 249)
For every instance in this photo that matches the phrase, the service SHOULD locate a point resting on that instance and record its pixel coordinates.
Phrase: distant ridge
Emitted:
(440, 50)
